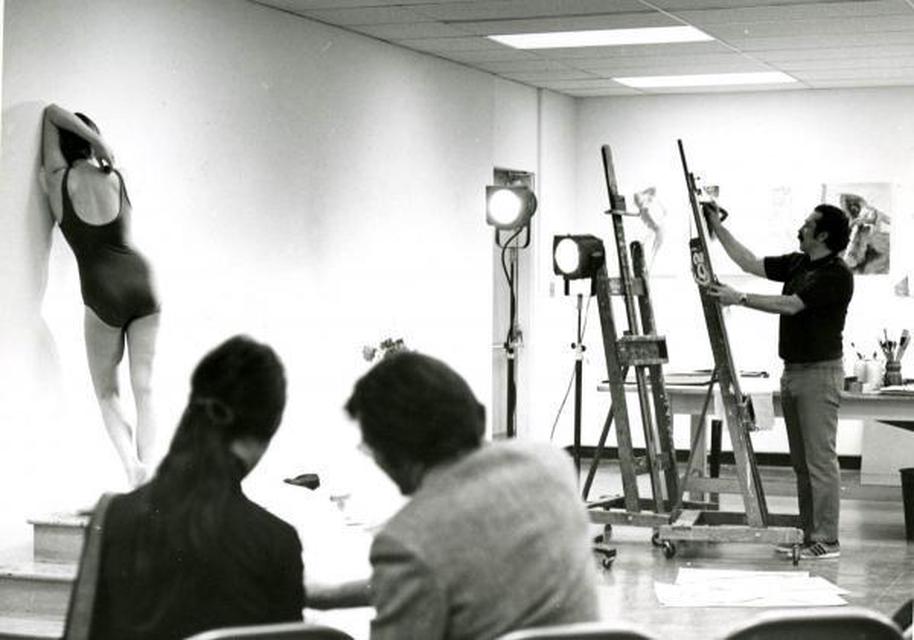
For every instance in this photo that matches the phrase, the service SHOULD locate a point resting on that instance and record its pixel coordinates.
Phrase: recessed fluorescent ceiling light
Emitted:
(706, 80)
(602, 37)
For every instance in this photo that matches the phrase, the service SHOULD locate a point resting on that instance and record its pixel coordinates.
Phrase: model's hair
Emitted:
(237, 391)
(836, 224)
(414, 408)
(73, 146)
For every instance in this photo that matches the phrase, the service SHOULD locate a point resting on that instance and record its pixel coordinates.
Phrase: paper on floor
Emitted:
(734, 588)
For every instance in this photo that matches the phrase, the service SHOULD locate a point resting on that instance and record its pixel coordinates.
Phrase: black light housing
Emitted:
(509, 207)
(577, 256)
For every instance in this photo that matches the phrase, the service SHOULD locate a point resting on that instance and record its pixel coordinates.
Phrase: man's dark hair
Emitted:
(836, 224)
(413, 407)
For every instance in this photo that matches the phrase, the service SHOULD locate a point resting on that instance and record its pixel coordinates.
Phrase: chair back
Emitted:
(81, 607)
(904, 618)
(846, 623)
(581, 631)
(281, 631)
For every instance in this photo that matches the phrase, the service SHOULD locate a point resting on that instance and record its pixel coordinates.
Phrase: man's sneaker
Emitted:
(820, 551)
(787, 549)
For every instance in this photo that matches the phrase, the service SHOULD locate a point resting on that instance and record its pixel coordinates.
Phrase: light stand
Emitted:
(579, 348)
(578, 258)
(509, 209)
(574, 258)
(510, 345)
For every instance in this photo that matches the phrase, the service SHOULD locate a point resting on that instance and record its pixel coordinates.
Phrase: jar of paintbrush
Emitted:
(893, 352)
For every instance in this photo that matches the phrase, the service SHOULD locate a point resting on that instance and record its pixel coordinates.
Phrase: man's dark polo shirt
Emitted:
(825, 286)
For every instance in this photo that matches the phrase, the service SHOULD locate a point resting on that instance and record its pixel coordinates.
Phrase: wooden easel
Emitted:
(643, 351)
(755, 524)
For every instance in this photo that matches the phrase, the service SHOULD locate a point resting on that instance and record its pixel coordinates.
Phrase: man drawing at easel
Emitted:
(812, 306)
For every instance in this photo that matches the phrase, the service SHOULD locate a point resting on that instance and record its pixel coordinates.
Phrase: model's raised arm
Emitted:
(57, 118)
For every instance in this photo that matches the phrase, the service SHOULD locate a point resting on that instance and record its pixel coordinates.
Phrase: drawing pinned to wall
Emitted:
(869, 206)
(653, 215)
(789, 206)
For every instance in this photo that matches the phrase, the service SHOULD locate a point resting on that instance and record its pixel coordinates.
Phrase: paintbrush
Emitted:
(857, 351)
(903, 344)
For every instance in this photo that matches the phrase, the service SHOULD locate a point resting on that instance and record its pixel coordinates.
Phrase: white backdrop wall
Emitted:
(316, 189)
(749, 144)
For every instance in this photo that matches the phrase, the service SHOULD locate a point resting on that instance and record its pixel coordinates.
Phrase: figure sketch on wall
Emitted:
(867, 205)
(89, 201)
(652, 214)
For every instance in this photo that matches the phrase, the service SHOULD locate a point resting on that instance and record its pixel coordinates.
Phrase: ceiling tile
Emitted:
(816, 41)
(593, 83)
(677, 5)
(545, 75)
(441, 45)
(577, 23)
(606, 91)
(845, 64)
(873, 26)
(535, 64)
(409, 31)
(366, 15)
(681, 67)
(806, 11)
(884, 73)
(475, 10)
(299, 6)
(859, 82)
(491, 55)
(903, 51)
(678, 49)
(601, 64)
(727, 89)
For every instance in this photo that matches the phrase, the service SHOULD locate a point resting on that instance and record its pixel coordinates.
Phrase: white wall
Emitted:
(316, 189)
(749, 143)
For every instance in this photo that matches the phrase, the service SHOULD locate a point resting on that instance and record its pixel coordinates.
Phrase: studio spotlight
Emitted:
(577, 257)
(509, 207)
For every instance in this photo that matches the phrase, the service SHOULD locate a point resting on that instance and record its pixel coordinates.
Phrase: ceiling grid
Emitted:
(821, 44)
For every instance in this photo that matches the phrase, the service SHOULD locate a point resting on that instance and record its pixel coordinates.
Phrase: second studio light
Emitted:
(509, 207)
(577, 256)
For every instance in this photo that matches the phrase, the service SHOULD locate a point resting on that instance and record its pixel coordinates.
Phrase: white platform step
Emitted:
(58, 538)
(36, 590)
(30, 629)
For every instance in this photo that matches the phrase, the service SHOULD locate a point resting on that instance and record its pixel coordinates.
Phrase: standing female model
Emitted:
(90, 203)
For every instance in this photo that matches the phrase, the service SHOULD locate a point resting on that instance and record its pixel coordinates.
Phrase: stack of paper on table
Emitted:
(734, 588)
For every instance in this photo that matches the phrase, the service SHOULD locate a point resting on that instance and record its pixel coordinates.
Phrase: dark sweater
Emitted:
(149, 593)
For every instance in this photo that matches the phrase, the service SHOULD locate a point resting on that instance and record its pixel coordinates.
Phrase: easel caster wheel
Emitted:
(669, 549)
(795, 555)
(655, 539)
(606, 554)
(607, 532)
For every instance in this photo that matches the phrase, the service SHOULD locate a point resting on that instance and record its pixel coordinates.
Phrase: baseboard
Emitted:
(765, 459)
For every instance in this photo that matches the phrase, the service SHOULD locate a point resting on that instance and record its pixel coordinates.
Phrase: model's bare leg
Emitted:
(141, 343)
(105, 349)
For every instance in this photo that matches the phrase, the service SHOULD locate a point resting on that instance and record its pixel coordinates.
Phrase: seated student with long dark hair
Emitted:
(188, 551)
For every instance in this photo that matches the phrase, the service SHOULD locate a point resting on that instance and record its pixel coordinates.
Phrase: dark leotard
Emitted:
(115, 278)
